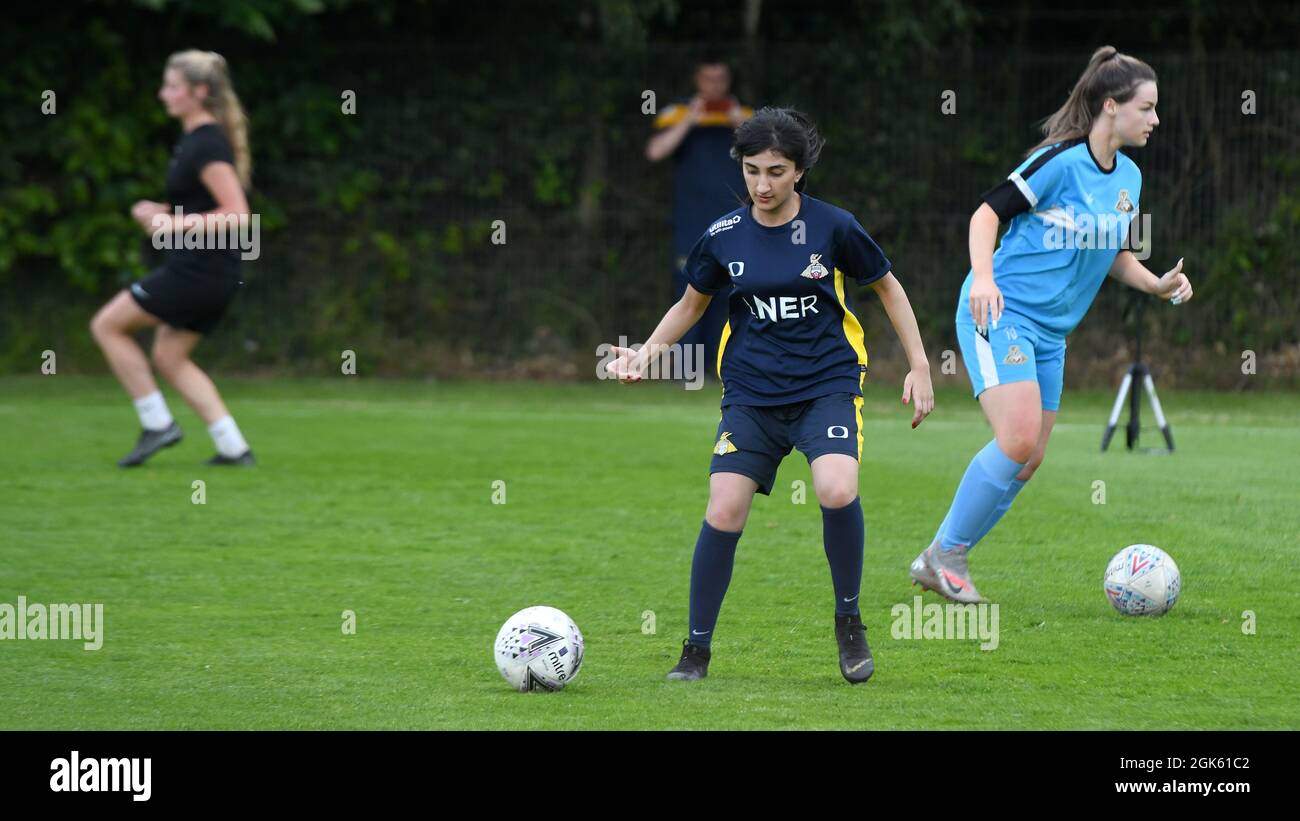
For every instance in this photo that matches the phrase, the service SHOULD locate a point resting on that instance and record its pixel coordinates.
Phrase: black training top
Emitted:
(193, 151)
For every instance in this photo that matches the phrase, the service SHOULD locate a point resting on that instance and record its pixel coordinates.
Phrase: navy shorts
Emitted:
(752, 440)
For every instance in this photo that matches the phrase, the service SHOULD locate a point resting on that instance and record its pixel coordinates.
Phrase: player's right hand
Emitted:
(985, 303)
(625, 367)
(143, 211)
(696, 110)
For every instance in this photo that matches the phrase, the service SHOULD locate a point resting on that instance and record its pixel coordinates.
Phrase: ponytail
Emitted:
(1109, 74)
(209, 68)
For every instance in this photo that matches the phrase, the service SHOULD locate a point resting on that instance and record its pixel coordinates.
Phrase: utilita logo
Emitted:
(76, 774)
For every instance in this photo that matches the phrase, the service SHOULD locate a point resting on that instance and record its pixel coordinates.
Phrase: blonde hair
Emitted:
(209, 68)
(1109, 75)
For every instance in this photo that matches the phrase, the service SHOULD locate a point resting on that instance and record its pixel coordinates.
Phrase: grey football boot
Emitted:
(946, 572)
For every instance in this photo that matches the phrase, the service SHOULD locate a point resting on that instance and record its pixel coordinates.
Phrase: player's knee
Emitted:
(836, 495)
(1034, 463)
(728, 522)
(100, 326)
(728, 515)
(1018, 448)
(167, 361)
(1020, 442)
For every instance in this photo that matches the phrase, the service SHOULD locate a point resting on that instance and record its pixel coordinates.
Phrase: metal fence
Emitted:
(452, 141)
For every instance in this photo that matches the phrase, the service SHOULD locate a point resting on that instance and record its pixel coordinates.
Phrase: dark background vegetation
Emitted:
(376, 227)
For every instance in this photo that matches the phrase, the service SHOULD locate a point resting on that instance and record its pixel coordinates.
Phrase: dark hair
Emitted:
(711, 56)
(1109, 74)
(787, 132)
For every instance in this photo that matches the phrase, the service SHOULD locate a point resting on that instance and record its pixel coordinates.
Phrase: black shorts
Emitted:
(752, 439)
(184, 299)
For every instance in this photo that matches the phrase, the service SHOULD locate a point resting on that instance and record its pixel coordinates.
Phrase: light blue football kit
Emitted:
(1069, 218)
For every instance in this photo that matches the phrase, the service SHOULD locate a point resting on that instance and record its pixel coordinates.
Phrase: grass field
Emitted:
(377, 497)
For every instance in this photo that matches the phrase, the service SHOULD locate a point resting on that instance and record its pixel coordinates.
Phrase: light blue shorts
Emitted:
(1016, 351)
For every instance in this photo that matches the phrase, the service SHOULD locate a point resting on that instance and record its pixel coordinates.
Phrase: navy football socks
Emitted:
(715, 554)
(844, 535)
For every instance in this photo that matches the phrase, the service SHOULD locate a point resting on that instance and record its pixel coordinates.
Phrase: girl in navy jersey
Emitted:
(185, 297)
(792, 364)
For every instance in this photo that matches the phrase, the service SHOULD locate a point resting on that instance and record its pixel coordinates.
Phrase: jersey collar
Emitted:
(785, 226)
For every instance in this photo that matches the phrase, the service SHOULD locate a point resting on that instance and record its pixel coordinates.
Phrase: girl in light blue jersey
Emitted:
(1070, 205)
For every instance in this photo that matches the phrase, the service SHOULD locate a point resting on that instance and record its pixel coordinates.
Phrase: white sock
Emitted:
(153, 411)
(226, 436)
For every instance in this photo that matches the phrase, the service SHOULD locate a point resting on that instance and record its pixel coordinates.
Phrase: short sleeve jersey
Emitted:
(1069, 218)
(790, 333)
(185, 188)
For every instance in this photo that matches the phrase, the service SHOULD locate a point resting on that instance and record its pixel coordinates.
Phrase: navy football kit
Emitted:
(793, 356)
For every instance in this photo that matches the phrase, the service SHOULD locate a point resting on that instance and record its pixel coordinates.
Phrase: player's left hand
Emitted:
(917, 388)
(1174, 285)
(736, 114)
(143, 211)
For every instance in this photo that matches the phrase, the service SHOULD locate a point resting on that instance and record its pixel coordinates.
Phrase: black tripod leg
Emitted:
(1138, 372)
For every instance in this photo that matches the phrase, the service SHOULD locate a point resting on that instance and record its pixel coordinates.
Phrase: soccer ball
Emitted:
(539, 648)
(1142, 580)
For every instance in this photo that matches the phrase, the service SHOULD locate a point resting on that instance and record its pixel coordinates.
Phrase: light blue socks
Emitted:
(985, 493)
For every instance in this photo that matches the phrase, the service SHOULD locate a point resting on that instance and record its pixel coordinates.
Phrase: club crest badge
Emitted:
(724, 445)
(1014, 356)
(1124, 204)
(815, 269)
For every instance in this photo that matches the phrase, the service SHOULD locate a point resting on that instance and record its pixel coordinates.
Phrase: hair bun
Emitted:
(1103, 54)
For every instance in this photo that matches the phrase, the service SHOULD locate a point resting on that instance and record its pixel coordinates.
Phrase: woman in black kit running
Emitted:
(185, 297)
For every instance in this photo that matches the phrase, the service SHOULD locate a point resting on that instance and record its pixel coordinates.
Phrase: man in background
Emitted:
(697, 134)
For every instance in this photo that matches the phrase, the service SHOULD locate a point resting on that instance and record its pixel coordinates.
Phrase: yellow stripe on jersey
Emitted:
(714, 118)
(853, 333)
(852, 328)
(722, 346)
(675, 113)
(672, 115)
(857, 409)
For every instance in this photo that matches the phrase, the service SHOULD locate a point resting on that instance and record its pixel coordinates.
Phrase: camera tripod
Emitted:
(1138, 374)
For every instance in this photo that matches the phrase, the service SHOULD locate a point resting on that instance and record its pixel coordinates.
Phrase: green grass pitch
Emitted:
(377, 497)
